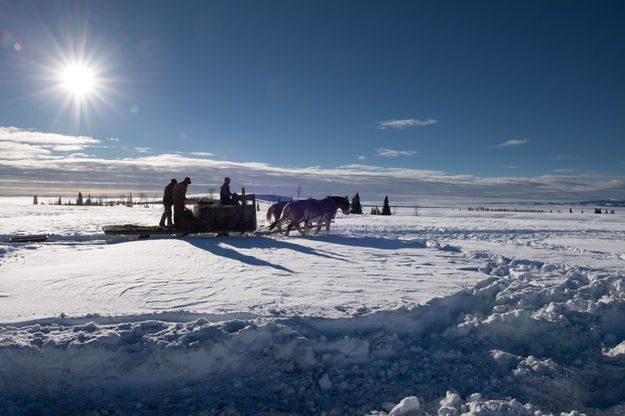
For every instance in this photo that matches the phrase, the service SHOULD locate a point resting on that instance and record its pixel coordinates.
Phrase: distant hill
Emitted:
(272, 198)
(603, 203)
(595, 203)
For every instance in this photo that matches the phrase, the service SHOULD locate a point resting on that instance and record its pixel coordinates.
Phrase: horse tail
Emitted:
(269, 215)
(280, 217)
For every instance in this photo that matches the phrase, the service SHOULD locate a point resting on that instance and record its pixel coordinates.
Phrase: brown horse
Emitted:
(274, 211)
(308, 211)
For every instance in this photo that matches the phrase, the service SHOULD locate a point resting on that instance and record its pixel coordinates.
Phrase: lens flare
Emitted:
(7, 40)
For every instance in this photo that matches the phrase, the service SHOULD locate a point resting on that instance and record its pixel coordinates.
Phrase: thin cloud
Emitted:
(562, 157)
(395, 153)
(405, 123)
(41, 175)
(565, 170)
(14, 134)
(18, 143)
(68, 147)
(142, 149)
(17, 151)
(207, 154)
(32, 169)
(513, 142)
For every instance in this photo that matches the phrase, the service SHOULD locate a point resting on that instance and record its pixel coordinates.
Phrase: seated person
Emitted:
(225, 196)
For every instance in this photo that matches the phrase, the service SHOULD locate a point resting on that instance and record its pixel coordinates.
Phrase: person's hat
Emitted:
(226, 179)
(173, 180)
(187, 180)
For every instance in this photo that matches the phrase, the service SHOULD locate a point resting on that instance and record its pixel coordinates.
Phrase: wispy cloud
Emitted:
(32, 168)
(382, 151)
(565, 170)
(16, 151)
(362, 157)
(562, 157)
(508, 143)
(206, 154)
(142, 149)
(405, 123)
(26, 139)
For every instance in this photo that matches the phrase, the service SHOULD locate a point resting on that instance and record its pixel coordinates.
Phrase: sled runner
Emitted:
(39, 238)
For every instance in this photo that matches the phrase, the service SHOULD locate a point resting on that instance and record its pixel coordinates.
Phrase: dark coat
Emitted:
(225, 196)
(179, 193)
(168, 198)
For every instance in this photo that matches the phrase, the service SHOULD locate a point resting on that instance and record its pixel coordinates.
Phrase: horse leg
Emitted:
(302, 232)
(319, 224)
(276, 222)
(328, 227)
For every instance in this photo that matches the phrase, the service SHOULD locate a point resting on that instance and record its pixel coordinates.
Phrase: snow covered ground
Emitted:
(447, 313)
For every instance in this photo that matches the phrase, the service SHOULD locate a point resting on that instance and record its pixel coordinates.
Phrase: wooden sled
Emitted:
(206, 219)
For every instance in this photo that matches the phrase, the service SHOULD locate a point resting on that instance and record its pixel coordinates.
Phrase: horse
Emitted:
(311, 210)
(274, 211)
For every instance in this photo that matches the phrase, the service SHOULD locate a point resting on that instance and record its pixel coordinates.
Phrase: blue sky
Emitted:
(420, 100)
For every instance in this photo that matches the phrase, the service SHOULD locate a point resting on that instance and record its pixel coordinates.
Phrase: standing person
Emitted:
(179, 196)
(168, 201)
(225, 196)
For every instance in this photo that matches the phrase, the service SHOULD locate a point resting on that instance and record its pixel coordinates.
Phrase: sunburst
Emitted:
(77, 74)
(79, 80)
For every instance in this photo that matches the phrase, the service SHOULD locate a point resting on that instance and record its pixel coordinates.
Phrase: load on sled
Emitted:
(207, 217)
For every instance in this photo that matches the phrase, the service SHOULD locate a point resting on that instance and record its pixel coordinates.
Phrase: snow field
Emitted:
(453, 314)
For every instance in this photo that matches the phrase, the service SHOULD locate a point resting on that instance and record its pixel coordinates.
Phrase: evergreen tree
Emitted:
(375, 211)
(79, 200)
(386, 209)
(356, 207)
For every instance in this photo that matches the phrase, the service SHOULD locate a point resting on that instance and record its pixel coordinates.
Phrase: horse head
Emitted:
(342, 202)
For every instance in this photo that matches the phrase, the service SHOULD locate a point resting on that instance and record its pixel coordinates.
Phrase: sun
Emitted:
(78, 80)
(75, 76)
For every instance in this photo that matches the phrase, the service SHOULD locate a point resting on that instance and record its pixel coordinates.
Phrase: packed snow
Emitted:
(449, 312)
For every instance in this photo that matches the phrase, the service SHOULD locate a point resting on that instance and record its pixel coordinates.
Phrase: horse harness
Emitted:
(309, 216)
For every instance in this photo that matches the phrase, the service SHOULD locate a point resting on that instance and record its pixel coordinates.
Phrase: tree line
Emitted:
(125, 199)
(356, 207)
